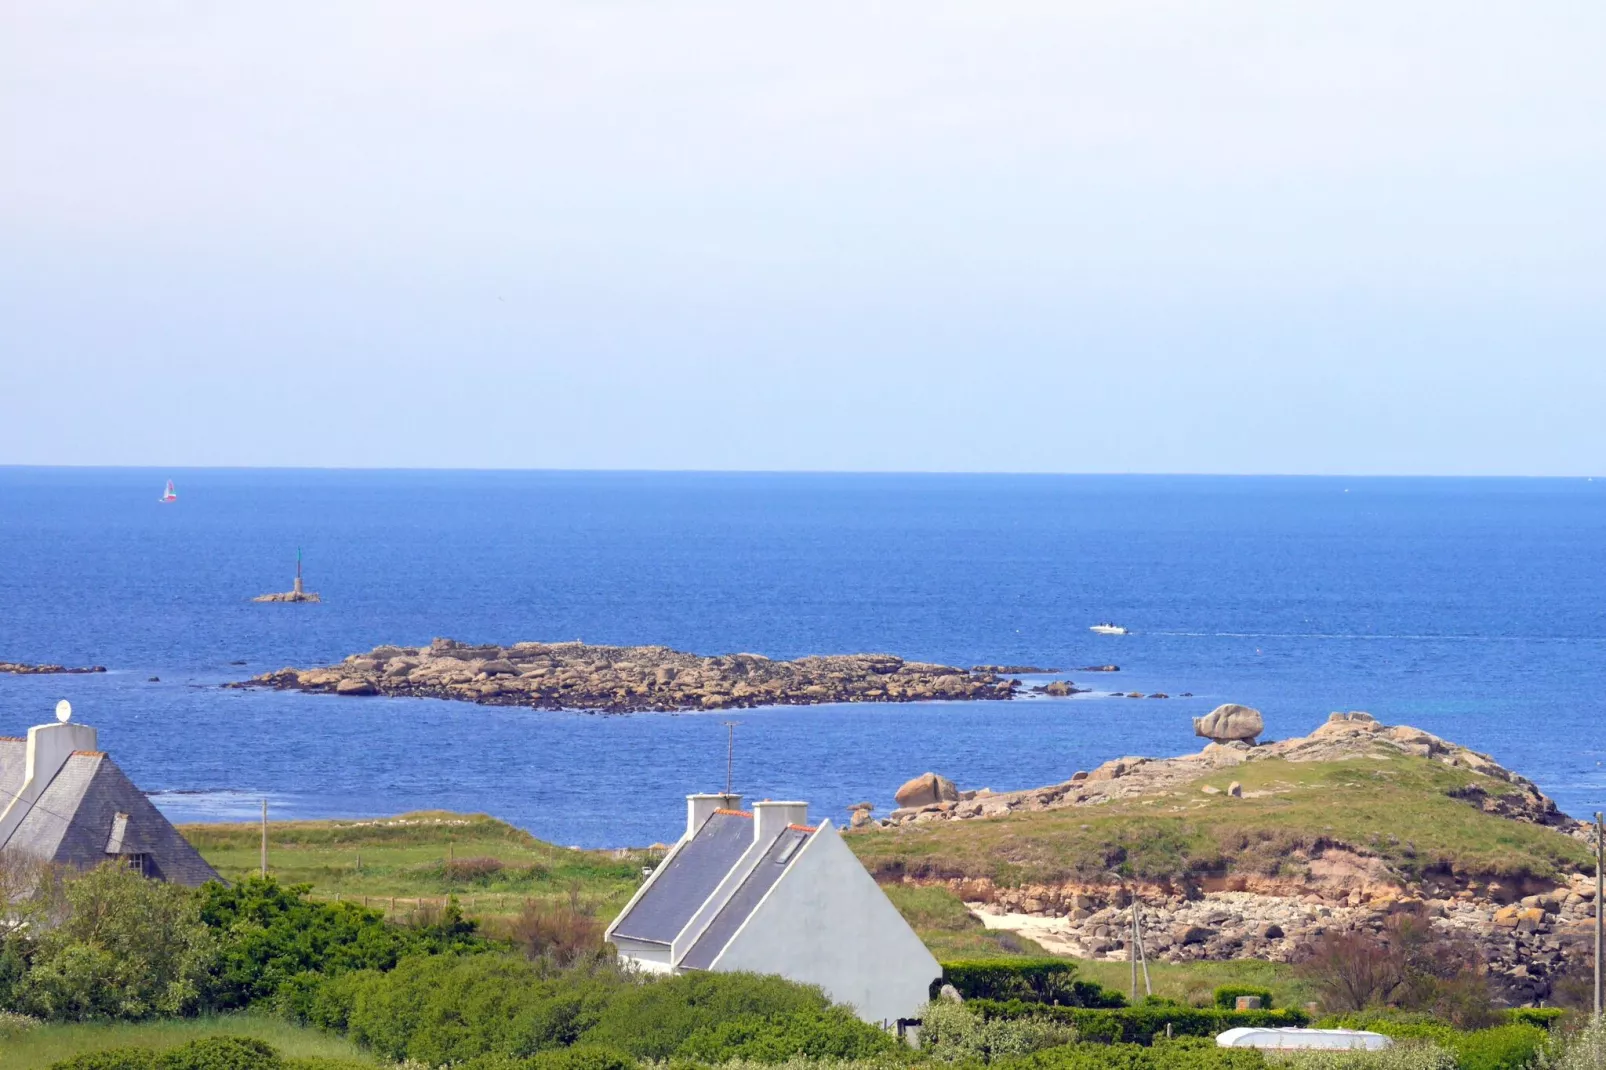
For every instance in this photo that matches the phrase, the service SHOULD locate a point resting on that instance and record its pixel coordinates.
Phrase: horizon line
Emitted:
(446, 469)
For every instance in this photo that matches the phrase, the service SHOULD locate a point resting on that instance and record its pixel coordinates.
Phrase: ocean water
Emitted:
(1475, 609)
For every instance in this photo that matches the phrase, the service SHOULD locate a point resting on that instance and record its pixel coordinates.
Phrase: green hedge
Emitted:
(207, 1053)
(1543, 1017)
(1188, 1053)
(1033, 980)
(1141, 1025)
(1227, 996)
(1503, 1047)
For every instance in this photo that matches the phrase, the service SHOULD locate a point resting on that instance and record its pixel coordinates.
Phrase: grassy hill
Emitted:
(1401, 809)
(399, 863)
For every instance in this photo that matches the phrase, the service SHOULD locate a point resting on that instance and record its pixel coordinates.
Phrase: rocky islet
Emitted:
(628, 679)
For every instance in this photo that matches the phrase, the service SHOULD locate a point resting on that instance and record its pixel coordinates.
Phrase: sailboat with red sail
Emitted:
(168, 495)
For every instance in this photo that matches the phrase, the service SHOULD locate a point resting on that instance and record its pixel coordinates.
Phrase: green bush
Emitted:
(448, 1008)
(1141, 1024)
(653, 1019)
(110, 1059)
(269, 934)
(1544, 1017)
(205, 1053)
(954, 1033)
(832, 1033)
(1188, 1053)
(322, 1062)
(129, 948)
(1035, 980)
(1227, 996)
(221, 1053)
(1405, 1055)
(1504, 1047)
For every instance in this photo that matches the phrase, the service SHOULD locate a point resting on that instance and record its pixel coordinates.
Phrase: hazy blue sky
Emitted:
(1125, 236)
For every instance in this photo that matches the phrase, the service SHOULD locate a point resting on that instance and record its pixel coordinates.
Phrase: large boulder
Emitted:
(1228, 722)
(926, 789)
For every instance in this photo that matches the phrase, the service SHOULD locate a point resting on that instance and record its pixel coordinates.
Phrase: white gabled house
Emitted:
(764, 892)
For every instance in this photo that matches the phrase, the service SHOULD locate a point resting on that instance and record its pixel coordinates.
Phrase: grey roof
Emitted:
(688, 879)
(90, 813)
(741, 905)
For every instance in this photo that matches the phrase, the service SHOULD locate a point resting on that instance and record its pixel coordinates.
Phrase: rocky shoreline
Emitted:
(17, 668)
(630, 679)
(1530, 933)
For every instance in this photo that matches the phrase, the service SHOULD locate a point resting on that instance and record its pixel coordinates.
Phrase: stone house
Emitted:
(64, 801)
(761, 890)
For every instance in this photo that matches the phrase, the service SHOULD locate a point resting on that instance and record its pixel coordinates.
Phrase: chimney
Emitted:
(49, 747)
(699, 807)
(770, 817)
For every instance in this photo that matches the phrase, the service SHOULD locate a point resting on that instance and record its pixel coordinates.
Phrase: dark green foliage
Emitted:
(221, 1053)
(110, 1059)
(653, 1020)
(13, 964)
(449, 1008)
(269, 933)
(834, 1033)
(579, 1057)
(207, 1053)
(1227, 996)
(1188, 1053)
(321, 1062)
(1036, 980)
(1142, 1024)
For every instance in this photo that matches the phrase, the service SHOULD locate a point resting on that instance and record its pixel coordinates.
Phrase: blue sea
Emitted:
(1475, 609)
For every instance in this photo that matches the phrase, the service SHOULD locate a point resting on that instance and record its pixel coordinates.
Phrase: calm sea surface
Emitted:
(1475, 609)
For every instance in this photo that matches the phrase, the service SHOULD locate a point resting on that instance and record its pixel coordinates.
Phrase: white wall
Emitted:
(827, 923)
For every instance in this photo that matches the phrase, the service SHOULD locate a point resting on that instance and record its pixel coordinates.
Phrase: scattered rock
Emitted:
(1009, 670)
(1098, 668)
(1059, 688)
(1230, 722)
(17, 668)
(927, 789)
(355, 687)
(1236, 790)
(1210, 789)
(153, 679)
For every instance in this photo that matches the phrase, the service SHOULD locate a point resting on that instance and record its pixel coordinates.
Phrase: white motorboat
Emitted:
(1106, 628)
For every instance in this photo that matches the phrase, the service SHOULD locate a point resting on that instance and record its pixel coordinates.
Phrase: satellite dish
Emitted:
(64, 711)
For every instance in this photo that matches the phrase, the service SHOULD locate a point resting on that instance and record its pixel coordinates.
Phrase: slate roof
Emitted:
(742, 904)
(688, 879)
(92, 813)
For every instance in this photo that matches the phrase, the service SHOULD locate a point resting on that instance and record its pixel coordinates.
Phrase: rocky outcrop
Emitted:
(17, 668)
(1229, 722)
(289, 596)
(1013, 670)
(622, 679)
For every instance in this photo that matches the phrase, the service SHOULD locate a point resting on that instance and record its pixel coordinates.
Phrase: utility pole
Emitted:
(1143, 952)
(264, 837)
(1600, 857)
(730, 754)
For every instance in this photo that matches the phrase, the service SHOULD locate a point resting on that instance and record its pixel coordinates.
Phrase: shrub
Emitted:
(128, 948)
(1227, 996)
(221, 1053)
(14, 1025)
(563, 933)
(1188, 1053)
(1503, 1047)
(110, 1059)
(1141, 1024)
(1579, 1049)
(478, 870)
(834, 1033)
(449, 1008)
(954, 1033)
(1040, 980)
(651, 1020)
(269, 933)
(1405, 1055)
(1544, 1017)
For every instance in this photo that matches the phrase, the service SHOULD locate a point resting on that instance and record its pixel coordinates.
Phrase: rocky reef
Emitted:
(627, 679)
(17, 668)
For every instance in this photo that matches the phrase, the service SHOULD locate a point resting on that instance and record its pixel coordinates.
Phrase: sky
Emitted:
(1129, 236)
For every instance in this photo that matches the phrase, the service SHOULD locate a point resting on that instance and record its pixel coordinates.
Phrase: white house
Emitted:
(763, 891)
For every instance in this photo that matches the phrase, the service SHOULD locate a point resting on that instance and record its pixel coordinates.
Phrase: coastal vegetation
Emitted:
(1409, 812)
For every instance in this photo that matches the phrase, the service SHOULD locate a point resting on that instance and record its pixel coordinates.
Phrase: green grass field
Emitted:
(1399, 809)
(36, 1048)
(398, 864)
